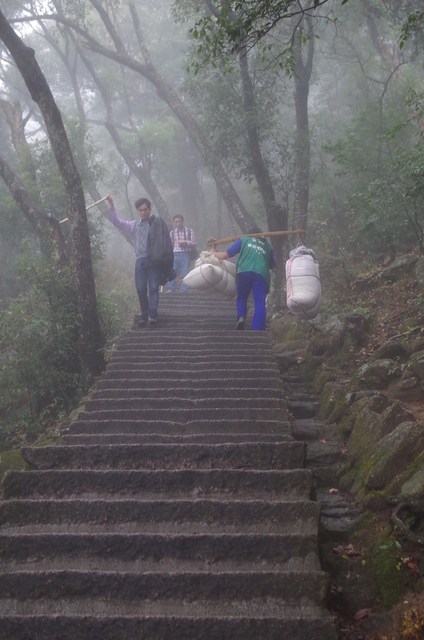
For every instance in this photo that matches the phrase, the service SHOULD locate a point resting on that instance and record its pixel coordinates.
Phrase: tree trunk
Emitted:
(219, 213)
(16, 122)
(277, 216)
(188, 167)
(302, 76)
(24, 57)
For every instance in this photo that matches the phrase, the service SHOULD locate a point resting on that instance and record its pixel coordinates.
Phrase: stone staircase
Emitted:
(176, 507)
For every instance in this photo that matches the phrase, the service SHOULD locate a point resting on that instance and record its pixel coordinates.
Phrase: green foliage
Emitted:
(412, 26)
(383, 177)
(40, 373)
(222, 33)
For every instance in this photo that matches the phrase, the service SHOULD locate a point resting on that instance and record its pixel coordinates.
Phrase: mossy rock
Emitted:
(318, 345)
(11, 460)
(321, 379)
(293, 345)
(378, 374)
(363, 415)
(287, 329)
(332, 395)
(416, 363)
(390, 579)
(394, 453)
(309, 367)
(391, 350)
(347, 478)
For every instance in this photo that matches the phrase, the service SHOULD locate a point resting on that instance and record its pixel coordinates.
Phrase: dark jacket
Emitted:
(159, 244)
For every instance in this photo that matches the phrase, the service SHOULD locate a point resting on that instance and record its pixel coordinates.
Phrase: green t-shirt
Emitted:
(255, 255)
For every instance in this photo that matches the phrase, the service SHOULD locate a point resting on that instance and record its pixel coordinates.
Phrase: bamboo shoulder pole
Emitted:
(266, 234)
(89, 207)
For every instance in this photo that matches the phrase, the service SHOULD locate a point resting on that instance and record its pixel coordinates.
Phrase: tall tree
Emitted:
(302, 76)
(24, 57)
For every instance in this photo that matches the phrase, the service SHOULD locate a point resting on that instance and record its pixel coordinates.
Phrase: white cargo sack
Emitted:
(303, 284)
(206, 257)
(212, 276)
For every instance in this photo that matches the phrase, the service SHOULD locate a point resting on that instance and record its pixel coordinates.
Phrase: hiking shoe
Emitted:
(240, 323)
(152, 320)
(142, 322)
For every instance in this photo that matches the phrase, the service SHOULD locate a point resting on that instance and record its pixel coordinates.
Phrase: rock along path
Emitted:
(176, 507)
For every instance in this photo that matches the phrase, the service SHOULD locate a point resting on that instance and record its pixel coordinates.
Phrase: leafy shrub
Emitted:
(40, 371)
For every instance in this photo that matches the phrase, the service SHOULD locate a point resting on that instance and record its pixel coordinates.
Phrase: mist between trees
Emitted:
(287, 113)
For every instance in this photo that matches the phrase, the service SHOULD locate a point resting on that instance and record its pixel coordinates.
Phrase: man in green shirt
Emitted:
(253, 275)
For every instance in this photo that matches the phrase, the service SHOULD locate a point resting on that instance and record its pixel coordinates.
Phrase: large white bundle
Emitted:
(303, 286)
(203, 277)
(206, 257)
(213, 279)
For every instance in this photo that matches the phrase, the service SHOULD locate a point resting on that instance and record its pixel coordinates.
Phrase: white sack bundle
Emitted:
(212, 279)
(303, 286)
(206, 257)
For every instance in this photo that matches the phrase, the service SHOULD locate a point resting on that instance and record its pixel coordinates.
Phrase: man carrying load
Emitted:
(253, 275)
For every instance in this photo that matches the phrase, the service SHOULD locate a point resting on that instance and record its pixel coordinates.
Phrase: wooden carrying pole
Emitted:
(266, 234)
(89, 207)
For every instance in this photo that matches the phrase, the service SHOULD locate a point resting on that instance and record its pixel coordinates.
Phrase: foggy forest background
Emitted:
(292, 114)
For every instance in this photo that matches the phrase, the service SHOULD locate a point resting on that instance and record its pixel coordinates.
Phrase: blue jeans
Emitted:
(247, 282)
(147, 274)
(181, 262)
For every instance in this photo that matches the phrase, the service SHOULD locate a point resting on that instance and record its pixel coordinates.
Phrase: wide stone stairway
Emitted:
(176, 506)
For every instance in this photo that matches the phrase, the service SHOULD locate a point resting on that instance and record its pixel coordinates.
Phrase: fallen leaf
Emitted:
(323, 441)
(362, 614)
(413, 566)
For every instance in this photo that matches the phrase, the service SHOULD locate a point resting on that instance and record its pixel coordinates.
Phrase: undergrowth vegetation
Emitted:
(42, 377)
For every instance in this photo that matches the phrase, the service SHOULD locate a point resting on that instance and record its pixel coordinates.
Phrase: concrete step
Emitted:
(185, 415)
(120, 391)
(241, 375)
(158, 516)
(164, 382)
(298, 626)
(262, 455)
(282, 589)
(203, 347)
(149, 552)
(236, 365)
(213, 484)
(323, 454)
(184, 402)
(308, 429)
(149, 438)
(172, 427)
(302, 409)
(188, 336)
(191, 357)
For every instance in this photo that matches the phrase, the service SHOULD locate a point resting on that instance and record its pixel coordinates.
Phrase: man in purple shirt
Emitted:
(153, 253)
